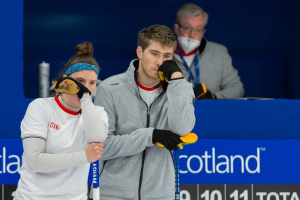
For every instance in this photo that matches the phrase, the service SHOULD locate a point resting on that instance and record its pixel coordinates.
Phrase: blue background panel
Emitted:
(204, 162)
(269, 162)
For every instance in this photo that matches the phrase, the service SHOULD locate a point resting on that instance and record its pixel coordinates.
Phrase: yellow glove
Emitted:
(189, 138)
(65, 85)
(69, 85)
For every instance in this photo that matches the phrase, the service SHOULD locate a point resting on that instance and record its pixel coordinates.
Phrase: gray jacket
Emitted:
(216, 71)
(134, 167)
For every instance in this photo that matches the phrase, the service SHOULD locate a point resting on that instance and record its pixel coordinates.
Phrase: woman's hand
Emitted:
(94, 151)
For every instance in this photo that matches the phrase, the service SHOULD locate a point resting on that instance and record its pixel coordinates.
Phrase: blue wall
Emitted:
(13, 102)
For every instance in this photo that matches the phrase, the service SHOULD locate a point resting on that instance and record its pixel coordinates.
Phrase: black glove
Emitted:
(166, 70)
(69, 85)
(208, 95)
(199, 90)
(169, 139)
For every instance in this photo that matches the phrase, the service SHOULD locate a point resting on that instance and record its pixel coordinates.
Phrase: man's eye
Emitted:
(185, 28)
(155, 54)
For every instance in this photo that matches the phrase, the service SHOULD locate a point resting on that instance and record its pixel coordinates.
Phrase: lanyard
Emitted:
(195, 80)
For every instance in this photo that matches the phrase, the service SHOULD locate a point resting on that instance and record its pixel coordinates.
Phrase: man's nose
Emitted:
(192, 34)
(159, 61)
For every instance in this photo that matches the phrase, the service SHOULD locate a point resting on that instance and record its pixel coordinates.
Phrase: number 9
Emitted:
(185, 195)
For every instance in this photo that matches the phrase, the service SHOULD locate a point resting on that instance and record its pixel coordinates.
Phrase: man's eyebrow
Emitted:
(187, 24)
(153, 50)
(168, 54)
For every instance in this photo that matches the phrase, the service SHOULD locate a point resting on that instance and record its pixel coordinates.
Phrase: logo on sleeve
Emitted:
(54, 126)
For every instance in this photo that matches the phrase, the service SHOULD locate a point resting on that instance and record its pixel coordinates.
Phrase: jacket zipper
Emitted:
(144, 152)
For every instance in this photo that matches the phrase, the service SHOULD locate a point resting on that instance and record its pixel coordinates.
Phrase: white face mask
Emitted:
(188, 44)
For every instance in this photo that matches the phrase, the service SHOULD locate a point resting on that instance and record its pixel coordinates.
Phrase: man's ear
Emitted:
(175, 27)
(139, 52)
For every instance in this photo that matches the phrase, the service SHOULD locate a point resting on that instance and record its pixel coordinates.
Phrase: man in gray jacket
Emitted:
(143, 110)
(201, 60)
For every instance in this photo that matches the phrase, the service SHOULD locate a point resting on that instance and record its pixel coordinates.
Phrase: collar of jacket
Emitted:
(132, 75)
(202, 45)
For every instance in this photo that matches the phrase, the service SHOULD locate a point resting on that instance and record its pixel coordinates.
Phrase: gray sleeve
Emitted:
(39, 161)
(93, 125)
(120, 145)
(231, 86)
(181, 112)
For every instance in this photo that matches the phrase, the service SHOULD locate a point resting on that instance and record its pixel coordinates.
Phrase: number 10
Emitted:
(216, 195)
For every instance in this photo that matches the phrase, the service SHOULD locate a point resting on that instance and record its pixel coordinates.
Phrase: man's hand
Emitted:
(208, 95)
(69, 85)
(169, 70)
(201, 92)
(169, 139)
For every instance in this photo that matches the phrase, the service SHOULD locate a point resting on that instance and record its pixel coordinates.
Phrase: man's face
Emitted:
(192, 28)
(151, 58)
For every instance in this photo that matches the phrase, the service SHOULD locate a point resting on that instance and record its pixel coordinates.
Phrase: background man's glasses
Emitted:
(188, 29)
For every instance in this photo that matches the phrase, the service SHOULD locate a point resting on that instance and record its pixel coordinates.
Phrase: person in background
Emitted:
(201, 60)
(62, 135)
(151, 102)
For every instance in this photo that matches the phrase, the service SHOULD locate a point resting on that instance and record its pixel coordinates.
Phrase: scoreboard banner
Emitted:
(240, 192)
(213, 169)
(240, 162)
(206, 162)
(10, 161)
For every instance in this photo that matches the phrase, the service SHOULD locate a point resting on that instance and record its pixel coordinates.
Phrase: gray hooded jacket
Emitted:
(134, 167)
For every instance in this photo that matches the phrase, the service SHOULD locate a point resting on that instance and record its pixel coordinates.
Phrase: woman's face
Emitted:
(88, 78)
